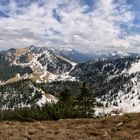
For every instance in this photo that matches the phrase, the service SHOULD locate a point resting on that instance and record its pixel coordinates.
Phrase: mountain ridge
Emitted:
(44, 64)
(116, 81)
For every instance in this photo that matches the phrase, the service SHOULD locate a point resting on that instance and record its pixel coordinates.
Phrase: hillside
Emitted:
(124, 127)
(116, 81)
(24, 93)
(39, 64)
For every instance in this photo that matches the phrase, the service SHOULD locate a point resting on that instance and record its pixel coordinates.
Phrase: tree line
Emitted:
(68, 106)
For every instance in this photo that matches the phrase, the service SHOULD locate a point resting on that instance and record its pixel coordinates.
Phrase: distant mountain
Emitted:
(108, 54)
(92, 55)
(74, 55)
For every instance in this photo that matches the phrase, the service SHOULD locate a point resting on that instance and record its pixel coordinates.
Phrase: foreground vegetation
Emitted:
(124, 127)
(81, 106)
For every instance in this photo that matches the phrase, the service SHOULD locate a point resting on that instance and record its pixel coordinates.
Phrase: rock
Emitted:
(120, 124)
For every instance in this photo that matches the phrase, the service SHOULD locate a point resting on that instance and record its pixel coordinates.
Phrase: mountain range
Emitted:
(115, 76)
(82, 57)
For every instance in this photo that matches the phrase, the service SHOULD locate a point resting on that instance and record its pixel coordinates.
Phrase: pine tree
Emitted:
(65, 97)
(86, 101)
(86, 90)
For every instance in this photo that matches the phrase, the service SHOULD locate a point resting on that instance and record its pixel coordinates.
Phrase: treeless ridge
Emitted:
(126, 127)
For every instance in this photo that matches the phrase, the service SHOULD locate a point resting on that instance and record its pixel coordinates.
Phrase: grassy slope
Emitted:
(126, 127)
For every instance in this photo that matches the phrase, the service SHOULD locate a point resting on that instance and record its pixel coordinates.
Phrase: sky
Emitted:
(83, 25)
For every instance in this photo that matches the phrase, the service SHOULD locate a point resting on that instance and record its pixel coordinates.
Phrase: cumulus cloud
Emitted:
(72, 23)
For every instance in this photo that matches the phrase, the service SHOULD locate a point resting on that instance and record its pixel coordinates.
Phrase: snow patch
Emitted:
(135, 67)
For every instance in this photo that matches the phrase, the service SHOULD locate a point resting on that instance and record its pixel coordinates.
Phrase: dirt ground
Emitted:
(126, 127)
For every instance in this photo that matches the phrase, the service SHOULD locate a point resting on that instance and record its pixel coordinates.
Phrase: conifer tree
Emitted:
(86, 101)
(65, 97)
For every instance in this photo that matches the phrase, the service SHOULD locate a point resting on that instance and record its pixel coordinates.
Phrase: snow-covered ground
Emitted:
(126, 102)
(135, 67)
(47, 99)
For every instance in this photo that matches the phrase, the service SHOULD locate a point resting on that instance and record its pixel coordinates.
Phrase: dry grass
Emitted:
(30, 57)
(21, 51)
(36, 76)
(125, 127)
(14, 79)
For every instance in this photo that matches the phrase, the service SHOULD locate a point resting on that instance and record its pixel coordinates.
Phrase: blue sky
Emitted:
(78, 24)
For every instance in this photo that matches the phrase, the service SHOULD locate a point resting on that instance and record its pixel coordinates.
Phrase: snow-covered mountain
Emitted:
(115, 77)
(24, 93)
(109, 54)
(38, 64)
(74, 55)
(116, 83)
(82, 57)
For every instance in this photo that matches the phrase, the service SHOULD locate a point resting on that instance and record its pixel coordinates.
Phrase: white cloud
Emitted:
(101, 27)
(130, 43)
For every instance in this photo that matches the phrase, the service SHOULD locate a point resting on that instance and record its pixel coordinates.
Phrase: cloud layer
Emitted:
(92, 24)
